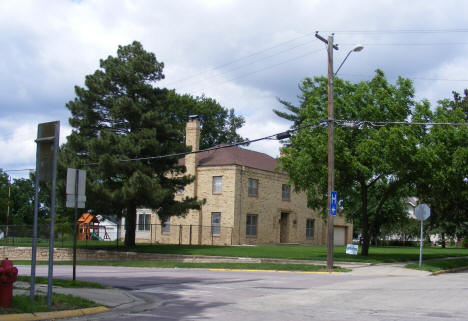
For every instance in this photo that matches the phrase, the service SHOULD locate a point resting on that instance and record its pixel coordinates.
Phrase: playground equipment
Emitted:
(89, 228)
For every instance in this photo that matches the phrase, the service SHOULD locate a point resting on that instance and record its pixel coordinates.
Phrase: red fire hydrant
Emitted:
(8, 275)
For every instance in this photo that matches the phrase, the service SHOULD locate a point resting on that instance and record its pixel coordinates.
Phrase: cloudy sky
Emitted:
(243, 53)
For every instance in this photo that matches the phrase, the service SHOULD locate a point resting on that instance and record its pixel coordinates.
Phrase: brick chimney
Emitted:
(192, 138)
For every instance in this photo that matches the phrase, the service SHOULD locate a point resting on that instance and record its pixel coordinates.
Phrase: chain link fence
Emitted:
(114, 236)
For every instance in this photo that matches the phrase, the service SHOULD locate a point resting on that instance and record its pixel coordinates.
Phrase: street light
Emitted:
(356, 48)
(331, 147)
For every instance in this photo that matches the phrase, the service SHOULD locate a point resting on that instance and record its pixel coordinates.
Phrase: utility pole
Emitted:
(331, 150)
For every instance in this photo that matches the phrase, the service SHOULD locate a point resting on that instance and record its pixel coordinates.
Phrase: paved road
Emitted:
(384, 292)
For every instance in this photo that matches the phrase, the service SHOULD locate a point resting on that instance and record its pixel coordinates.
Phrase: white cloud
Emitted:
(49, 46)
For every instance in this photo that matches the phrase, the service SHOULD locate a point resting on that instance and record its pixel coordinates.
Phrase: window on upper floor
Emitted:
(144, 222)
(217, 184)
(286, 192)
(310, 223)
(251, 225)
(253, 187)
(215, 223)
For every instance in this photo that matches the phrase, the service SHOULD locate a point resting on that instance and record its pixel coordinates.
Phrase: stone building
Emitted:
(248, 201)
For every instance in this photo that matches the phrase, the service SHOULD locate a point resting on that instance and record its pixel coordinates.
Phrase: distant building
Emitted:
(248, 201)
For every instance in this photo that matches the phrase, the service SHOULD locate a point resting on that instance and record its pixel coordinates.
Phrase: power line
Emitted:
(287, 134)
(263, 69)
(244, 57)
(260, 59)
(401, 31)
(277, 136)
(409, 77)
(362, 123)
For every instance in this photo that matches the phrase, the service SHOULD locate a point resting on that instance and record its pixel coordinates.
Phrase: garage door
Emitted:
(339, 236)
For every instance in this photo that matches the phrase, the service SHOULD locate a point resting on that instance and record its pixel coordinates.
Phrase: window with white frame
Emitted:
(286, 192)
(166, 226)
(310, 223)
(217, 184)
(251, 225)
(253, 187)
(144, 222)
(215, 223)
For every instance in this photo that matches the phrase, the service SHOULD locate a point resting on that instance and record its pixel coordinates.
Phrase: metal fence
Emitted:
(21, 235)
(183, 234)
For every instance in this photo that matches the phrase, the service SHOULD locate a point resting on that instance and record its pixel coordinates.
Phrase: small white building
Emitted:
(111, 227)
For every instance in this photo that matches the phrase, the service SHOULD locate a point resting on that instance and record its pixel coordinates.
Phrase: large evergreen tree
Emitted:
(120, 115)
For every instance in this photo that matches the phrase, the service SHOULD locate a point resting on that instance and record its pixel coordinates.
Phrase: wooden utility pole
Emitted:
(331, 156)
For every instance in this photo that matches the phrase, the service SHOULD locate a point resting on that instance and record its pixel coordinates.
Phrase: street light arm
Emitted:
(357, 48)
(336, 72)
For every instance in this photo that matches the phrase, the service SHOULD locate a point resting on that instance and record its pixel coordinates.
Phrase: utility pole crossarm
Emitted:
(325, 40)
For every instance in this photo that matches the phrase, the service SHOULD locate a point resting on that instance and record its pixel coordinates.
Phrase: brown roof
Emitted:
(235, 156)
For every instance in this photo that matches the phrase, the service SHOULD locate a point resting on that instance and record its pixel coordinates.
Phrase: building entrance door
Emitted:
(284, 227)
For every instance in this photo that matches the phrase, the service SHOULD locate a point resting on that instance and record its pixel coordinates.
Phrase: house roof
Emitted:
(235, 156)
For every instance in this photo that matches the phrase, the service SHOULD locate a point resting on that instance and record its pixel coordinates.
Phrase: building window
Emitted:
(310, 228)
(253, 187)
(286, 192)
(166, 226)
(217, 184)
(216, 223)
(144, 222)
(180, 189)
(251, 225)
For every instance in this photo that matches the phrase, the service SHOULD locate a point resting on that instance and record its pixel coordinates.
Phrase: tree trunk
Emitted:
(130, 226)
(365, 221)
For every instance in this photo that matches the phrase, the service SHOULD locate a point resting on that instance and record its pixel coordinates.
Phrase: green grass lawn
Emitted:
(60, 282)
(387, 254)
(22, 304)
(440, 265)
(168, 264)
(299, 252)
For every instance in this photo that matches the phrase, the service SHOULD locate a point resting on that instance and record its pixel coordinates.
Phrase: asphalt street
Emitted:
(382, 292)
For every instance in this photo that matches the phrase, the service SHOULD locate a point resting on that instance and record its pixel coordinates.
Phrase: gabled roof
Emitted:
(235, 156)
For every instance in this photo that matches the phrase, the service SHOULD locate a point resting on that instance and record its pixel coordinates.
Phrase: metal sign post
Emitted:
(46, 167)
(422, 213)
(76, 186)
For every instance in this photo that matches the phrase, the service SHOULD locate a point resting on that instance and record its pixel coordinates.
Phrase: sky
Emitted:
(245, 54)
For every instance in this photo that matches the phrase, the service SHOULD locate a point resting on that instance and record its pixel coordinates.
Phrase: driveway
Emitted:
(380, 292)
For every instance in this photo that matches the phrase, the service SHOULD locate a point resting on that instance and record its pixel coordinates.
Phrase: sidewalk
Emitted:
(108, 298)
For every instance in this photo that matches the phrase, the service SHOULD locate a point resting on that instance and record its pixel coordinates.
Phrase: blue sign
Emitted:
(333, 203)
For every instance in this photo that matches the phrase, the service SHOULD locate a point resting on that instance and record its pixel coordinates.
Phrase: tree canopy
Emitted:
(372, 163)
(443, 181)
(121, 120)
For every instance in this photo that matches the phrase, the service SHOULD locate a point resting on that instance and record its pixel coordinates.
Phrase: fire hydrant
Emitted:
(8, 275)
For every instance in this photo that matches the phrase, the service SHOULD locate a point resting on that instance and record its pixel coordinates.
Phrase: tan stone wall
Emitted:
(235, 204)
(268, 206)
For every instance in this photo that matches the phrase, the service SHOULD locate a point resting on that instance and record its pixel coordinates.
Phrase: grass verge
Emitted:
(388, 254)
(168, 264)
(64, 283)
(22, 304)
(440, 265)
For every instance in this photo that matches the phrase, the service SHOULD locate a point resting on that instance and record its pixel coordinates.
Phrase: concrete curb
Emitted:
(458, 269)
(278, 271)
(54, 314)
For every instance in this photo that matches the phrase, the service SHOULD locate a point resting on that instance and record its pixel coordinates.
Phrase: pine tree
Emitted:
(120, 115)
